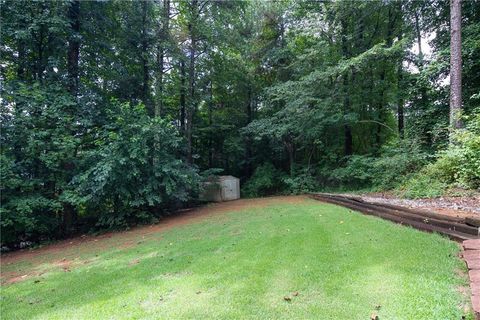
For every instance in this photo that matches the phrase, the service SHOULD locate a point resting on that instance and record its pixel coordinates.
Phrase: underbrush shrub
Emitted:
(266, 180)
(36, 160)
(127, 169)
(422, 185)
(396, 163)
(355, 174)
(457, 166)
(135, 173)
(466, 150)
(302, 181)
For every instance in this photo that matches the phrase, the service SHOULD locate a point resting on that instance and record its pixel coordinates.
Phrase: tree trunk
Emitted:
(21, 67)
(73, 54)
(182, 97)
(40, 65)
(290, 147)
(419, 40)
(455, 63)
(191, 101)
(191, 76)
(400, 107)
(161, 56)
(382, 100)
(73, 46)
(159, 87)
(423, 90)
(248, 140)
(347, 131)
(400, 85)
(144, 55)
(210, 124)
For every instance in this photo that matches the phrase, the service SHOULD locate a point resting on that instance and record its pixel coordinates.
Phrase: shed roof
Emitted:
(227, 178)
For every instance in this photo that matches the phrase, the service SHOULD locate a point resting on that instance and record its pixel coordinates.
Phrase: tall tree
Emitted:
(73, 46)
(455, 63)
(163, 43)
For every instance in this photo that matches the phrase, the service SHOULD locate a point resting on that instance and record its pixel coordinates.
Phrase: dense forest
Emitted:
(113, 112)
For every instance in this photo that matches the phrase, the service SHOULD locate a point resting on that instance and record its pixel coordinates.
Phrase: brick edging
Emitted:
(471, 255)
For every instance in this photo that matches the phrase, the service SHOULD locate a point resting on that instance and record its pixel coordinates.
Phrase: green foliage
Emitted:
(302, 181)
(423, 184)
(465, 154)
(126, 171)
(23, 215)
(396, 163)
(134, 168)
(38, 160)
(266, 180)
(356, 173)
(386, 171)
(457, 166)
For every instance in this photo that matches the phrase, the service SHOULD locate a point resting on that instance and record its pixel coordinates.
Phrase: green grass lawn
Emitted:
(242, 265)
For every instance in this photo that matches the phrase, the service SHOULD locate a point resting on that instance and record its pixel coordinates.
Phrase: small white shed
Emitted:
(221, 188)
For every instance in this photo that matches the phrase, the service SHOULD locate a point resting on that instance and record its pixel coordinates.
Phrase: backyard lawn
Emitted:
(281, 258)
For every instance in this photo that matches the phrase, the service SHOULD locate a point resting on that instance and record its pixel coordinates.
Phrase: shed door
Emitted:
(229, 189)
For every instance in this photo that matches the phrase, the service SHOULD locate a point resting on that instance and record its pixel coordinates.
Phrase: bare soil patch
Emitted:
(66, 254)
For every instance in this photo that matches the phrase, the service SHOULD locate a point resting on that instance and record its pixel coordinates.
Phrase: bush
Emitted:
(385, 172)
(127, 168)
(465, 154)
(37, 160)
(458, 166)
(397, 163)
(25, 214)
(355, 174)
(135, 169)
(266, 180)
(422, 185)
(301, 182)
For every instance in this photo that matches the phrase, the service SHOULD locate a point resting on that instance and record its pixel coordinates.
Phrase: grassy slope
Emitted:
(243, 264)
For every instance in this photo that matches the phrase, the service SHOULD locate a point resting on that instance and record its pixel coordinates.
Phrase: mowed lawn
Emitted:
(297, 259)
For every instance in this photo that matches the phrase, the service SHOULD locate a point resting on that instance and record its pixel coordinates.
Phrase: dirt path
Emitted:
(20, 265)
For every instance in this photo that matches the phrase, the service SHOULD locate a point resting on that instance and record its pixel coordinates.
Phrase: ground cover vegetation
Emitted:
(113, 111)
(294, 258)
